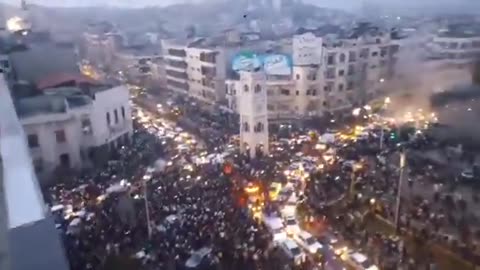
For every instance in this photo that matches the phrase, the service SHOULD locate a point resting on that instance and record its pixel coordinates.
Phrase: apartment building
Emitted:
(200, 67)
(330, 74)
(25, 226)
(196, 70)
(454, 44)
(73, 126)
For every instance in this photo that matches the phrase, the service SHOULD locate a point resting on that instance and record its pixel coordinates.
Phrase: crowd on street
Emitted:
(181, 196)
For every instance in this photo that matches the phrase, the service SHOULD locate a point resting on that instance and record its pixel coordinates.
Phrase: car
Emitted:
(198, 257)
(291, 225)
(467, 175)
(308, 242)
(276, 228)
(293, 251)
(359, 261)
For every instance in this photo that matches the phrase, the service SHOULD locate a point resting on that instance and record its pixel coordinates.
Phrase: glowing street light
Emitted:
(356, 112)
(387, 100)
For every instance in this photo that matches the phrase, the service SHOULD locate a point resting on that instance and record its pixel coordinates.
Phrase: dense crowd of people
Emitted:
(187, 215)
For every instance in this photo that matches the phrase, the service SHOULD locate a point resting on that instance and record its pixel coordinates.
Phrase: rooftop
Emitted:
(141, 50)
(459, 31)
(59, 79)
(39, 60)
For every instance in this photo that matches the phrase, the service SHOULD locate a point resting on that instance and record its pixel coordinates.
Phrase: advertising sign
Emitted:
(272, 64)
(277, 64)
(246, 61)
(307, 49)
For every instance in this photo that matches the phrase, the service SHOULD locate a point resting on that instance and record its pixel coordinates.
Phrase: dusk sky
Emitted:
(347, 4)
(340, 4)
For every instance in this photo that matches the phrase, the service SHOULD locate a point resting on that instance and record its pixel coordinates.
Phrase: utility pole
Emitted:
(382, 134)
(399, 190)
(147, 211)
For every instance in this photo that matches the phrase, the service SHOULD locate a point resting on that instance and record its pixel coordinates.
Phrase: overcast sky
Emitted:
(348, 4)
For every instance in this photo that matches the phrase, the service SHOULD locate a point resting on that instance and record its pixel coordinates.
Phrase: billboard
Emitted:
(277, 64)
(307, 49)
(272, 64)
(246, 61)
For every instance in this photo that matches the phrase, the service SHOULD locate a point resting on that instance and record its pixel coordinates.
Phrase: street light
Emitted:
(356, 111)
(146, 178)
(399, 189)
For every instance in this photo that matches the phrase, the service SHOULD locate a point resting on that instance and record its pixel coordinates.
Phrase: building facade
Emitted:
(455, 44)
(73, 129)
(329, 75)
(25, 226)
(196, 71)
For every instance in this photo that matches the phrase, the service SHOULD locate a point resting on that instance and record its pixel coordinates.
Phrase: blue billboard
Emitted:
(246, 61)
(272, 64)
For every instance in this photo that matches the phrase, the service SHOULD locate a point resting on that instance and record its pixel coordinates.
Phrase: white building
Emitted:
(66, 127)
(142, 63)
(253, 113)
(455, 44)
(195, 70)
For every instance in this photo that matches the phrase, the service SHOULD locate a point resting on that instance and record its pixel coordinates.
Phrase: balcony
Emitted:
(210, 57)
(177, 64)
(209, 71)
(177, 52)
(177, 74)
(179, 85)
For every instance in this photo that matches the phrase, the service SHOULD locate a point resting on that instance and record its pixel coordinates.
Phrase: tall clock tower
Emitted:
(252, 96)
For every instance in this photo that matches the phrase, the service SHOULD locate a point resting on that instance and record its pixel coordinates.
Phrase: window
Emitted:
(258, 127)
(38, 165)
(331, 59)
(297, 92)
(330, 74)
(340, 87)
(314, 92)
(297, 76)
(270, 107)
(329, 87)
(285, 92)
(364, 53)
(60, 136)
(86, 126)
(341, 72)
(350, 85)
(374, 54)
(123, 113)
(352, 56)
(258, 88)
(245, 88)
(115, 113)
(342, 58)
(351, 70)
(246, 127)
(108, 118)
(32, 140)
(383, 51)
